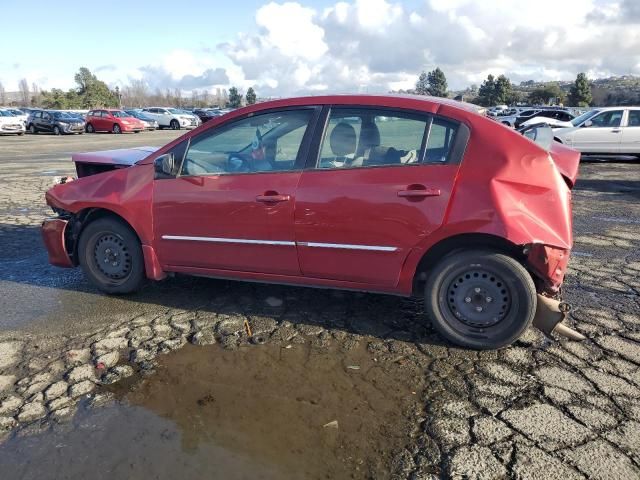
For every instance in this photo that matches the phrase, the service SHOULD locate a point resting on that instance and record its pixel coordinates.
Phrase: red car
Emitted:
(392, 194)
(114, 121)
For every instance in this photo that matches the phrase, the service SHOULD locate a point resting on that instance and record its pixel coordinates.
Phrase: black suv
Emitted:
(55, 122)
(206, 114)
(555, 113)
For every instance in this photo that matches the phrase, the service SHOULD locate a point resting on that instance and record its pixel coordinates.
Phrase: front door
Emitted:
(232, 205)
(381, 184)
(603, 135)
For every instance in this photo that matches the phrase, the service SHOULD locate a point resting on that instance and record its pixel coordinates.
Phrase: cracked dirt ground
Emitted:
(79, 369)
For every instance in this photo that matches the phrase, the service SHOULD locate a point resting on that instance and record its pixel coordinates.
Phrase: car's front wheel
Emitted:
(32, 129)
(56, 130)
(175, 125)
(89, 128)
(111, 256)
(480, 299)
(116, 129)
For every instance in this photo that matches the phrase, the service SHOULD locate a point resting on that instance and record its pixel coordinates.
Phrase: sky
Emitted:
(315, 46)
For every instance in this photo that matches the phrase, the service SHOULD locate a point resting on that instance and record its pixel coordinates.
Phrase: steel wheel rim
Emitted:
(478, 297)
(111, 257)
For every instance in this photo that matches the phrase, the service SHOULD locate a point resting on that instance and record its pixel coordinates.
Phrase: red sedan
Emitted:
(391, 194)
(114, 121)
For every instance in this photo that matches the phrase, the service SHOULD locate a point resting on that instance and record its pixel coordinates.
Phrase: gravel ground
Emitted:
(538, 409)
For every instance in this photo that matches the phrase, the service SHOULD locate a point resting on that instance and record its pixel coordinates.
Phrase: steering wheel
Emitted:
(238, 162)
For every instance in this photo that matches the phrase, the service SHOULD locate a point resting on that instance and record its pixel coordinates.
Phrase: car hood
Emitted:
(552, 122)
(121, 157)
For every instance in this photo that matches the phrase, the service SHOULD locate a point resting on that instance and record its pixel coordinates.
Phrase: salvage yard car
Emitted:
(172, 118)
(56, 122)
(10, 124)
(114, 121)
(393, 194)
(611, 131)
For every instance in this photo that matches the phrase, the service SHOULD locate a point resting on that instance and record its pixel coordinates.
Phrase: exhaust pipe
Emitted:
(550, 314)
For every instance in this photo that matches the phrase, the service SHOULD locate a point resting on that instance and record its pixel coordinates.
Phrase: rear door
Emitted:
(630, 142)
(381, 184)
(603, 135)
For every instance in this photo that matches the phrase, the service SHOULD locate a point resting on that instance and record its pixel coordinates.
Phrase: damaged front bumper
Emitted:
(53, 235)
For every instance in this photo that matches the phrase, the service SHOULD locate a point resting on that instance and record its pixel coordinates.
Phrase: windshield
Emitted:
(175, 110)
(120, 114)
(61, 115)
(16, 112)
(4, 113)
(585, 116)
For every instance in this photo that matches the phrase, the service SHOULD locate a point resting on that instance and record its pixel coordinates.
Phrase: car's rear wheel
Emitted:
(89, 128)
(111, 256)
(175, 125)
(116, 129)
(480, 299)
(56, 130)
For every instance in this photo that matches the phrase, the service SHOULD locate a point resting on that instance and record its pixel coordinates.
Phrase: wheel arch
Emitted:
(83, 218)
(456, 242)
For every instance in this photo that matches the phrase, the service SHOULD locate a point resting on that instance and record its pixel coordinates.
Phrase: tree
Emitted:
(235, 99)
(251, 96)
(487, 92)
(504, 90)
(93, 92)
(437, 83)
(580, 93)
(546, 94)
(3, 95)
(422, 85)
(25, 97)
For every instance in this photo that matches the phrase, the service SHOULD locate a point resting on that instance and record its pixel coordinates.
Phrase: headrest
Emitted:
(343, 139)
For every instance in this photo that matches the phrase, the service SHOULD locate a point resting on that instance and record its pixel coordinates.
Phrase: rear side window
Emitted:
(634, 118)
(366, 137)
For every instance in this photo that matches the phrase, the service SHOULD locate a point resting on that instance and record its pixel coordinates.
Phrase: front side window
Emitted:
(609, 119)
(261, 143)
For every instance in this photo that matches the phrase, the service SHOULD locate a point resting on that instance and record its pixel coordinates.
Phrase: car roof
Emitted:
(419, 102)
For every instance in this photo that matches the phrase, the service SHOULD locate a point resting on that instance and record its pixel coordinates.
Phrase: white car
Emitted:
(10, 124)
(611, 130)
(22, 116)
(173, 118)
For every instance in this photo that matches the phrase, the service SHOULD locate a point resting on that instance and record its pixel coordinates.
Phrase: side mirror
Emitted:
(165, 166)
(587, 124)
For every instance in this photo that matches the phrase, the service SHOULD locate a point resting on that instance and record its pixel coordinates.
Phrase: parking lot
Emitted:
(333, 383)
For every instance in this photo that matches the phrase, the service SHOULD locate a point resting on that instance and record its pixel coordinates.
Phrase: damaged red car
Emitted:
(392, 194)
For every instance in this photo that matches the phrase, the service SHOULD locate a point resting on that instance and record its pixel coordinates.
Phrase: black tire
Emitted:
(32, 129)
(480, 299)
(174, 124)
(111, 256)
(56, 130)
(20, 134)
(89, 128)
(116, 129)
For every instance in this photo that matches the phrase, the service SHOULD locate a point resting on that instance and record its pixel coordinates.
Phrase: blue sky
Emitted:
(314, 46)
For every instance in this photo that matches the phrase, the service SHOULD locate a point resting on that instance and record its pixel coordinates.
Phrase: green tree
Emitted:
(437, 83)
(580, 93)
(235, 99)
(546, 94)
(93, 92)
(422, 85)
(251, 96)
(487, 92)
(504, 90)
(55, 99)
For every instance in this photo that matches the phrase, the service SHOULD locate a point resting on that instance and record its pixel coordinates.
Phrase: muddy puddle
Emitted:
(260, 412)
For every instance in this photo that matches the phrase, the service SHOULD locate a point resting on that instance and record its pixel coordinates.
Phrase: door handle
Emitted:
(269, 197)
(617, 130)
(419, 192)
